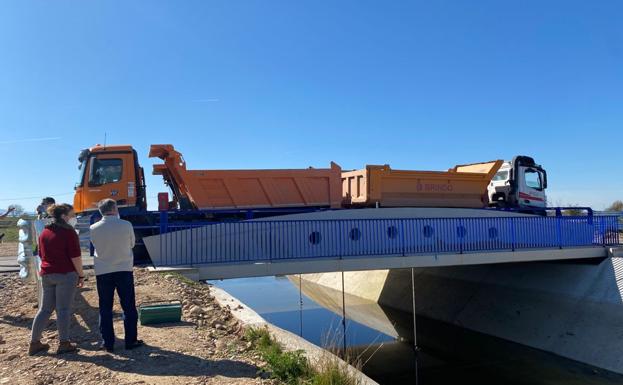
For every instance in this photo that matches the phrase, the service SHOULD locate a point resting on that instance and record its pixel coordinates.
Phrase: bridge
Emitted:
(297, 246)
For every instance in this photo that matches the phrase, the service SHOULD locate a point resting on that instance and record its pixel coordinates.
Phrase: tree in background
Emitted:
(18, 210)
(573, 211)
(7, 212)
(615, 206)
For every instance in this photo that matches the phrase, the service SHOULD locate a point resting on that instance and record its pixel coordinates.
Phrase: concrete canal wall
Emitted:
(290, 341)
(572, 309)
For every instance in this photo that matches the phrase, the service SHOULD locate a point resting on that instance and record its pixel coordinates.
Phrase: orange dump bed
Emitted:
(219, 189)
(461, 186)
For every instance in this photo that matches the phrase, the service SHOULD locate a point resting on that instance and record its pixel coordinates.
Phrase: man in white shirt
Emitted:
(113, 239)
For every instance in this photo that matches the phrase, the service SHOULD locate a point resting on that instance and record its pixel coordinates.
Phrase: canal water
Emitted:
(381, 340)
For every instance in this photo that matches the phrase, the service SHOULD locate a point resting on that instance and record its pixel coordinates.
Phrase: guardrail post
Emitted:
(164, 244)
(402, 237)
(602, 231)
(164, 222)
(340, 238)
(559, 231)
(513, 240)
(461, 232)
(191, 245)
(270, 241)
(589, 213)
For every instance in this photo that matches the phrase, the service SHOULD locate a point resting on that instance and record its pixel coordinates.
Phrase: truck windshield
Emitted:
(533, 179)
(105, 171)
(501, 175)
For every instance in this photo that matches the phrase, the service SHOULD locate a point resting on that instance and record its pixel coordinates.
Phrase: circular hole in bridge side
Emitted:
(392, 232)
(354, 234)
(315, 237)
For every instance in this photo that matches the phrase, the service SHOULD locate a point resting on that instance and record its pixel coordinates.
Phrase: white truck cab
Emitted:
(520, 183)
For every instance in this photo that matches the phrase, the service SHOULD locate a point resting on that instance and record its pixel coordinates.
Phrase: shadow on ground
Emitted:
(154, 361)
(79, 331)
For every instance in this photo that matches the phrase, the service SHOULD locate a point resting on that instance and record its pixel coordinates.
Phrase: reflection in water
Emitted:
(277, 300)
(381, 337)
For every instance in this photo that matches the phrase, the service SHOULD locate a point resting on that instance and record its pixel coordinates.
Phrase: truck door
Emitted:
(531, 187)
(111, 175)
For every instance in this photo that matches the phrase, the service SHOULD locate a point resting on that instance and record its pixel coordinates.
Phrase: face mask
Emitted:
(72, 222)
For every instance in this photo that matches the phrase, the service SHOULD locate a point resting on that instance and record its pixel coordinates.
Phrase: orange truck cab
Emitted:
(110, 172)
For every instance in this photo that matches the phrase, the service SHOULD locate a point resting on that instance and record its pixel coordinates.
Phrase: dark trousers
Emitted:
(123, 282)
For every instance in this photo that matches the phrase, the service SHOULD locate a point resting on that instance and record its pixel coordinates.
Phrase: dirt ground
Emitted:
(207, 347)
(8, 249)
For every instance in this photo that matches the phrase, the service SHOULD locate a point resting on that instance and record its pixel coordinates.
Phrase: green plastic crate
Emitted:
(150, 313)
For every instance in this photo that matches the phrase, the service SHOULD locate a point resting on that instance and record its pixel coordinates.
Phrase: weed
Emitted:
(292, 368)
(332, 372)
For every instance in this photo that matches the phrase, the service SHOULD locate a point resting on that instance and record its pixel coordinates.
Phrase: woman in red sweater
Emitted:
(61, 273)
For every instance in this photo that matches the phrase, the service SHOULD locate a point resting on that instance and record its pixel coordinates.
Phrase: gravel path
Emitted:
(208, 347)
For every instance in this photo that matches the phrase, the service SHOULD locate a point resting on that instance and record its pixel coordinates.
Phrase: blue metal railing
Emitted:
(266, 240)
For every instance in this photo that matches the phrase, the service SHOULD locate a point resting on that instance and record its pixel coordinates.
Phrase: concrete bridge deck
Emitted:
(381, 262)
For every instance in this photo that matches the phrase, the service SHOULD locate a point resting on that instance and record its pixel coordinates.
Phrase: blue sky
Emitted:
(282, 84)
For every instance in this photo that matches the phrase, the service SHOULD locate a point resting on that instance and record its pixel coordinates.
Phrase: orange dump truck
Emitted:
(461, 186)
(114, 172)
(217, 189)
